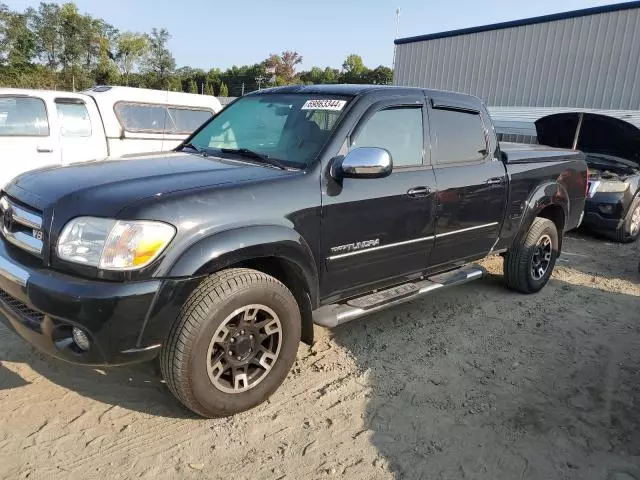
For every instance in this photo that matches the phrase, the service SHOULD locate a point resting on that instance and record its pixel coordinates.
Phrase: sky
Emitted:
(210, 33)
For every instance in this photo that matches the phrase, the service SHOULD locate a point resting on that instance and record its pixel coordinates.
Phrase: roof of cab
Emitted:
(355, 90)
(28, 92)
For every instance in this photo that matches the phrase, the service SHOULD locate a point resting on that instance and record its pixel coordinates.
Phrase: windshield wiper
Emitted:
(201, 151)
(255, 155)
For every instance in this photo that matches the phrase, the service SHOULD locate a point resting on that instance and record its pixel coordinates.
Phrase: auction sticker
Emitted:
(335, 105)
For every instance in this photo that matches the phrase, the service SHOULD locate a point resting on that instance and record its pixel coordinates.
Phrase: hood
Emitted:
(598, 134)
(106, 187)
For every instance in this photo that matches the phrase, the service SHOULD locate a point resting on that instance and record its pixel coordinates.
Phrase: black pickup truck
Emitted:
(292, 206)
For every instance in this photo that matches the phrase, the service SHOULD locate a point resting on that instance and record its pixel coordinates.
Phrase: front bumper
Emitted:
(596, 221)
(604, 212)
(125, 322)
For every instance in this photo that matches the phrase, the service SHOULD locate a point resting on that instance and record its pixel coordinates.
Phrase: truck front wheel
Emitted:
(233, 343)
(529, 264)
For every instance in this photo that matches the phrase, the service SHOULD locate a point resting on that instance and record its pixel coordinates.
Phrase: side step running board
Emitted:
(339, 313)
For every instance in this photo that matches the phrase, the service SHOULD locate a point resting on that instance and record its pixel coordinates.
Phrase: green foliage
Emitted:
(19, 42)
(354, 65)
(160, 61)
(55, 46)
(130, 50)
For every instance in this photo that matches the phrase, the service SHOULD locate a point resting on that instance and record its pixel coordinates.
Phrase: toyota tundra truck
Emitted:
(293, 206)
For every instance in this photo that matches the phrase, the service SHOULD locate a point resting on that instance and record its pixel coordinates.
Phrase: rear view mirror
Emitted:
(282, 111)
(364, 162)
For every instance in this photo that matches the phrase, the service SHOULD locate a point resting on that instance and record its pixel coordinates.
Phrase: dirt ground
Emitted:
(473, 383)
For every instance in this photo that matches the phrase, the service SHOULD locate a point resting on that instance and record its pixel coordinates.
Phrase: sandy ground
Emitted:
(474, 383)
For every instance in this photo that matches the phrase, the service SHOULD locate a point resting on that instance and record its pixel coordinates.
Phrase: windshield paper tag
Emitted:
(334, 105)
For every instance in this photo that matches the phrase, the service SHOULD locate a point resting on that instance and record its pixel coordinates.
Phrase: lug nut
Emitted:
(239, 357)
(241, 332)
(232, 340)
(230, 353)
(251, 337)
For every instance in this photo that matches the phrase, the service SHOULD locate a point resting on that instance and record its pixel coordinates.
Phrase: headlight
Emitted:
(611, 187)
(113, 244)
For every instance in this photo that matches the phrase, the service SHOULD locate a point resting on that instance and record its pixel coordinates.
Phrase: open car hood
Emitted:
(598, 134)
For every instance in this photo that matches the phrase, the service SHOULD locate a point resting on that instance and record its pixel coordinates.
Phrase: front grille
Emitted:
(21, 226)
(21, 309)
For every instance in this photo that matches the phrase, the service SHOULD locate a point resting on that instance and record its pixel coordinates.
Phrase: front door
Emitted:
(472, 186)
(380, 230)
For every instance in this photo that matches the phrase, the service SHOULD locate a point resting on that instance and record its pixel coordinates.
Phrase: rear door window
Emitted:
(23, 116)
(74, 118)
(459, 136)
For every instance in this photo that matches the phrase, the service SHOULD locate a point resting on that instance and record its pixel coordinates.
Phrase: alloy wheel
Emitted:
(541, 257)
(244, 349)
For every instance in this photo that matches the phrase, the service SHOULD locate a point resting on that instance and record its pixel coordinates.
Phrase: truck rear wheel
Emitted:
(233, 343)
(529, 265)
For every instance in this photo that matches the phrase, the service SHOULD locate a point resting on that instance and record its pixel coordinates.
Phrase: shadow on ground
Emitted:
(504, 386)
(9, 379)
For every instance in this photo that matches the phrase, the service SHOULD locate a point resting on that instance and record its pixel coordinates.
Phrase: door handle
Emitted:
(419, 191)
(44, 149)
(495, 181)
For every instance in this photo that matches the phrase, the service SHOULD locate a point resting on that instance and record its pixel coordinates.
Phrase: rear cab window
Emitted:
(22, 116)
(459, 136)
(153, 118)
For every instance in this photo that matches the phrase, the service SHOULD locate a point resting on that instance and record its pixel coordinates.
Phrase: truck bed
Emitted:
(522, 153)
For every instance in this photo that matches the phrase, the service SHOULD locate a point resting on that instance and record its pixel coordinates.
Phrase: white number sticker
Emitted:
(334, 105)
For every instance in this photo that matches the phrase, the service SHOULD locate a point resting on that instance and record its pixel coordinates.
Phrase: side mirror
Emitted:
(364, 162)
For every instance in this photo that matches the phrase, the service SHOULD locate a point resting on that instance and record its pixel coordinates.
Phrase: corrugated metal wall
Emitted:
(590, 61)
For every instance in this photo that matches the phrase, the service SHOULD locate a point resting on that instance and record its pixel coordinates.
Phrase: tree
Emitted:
(71, 24)
(380, 76)
(159, 59)
(290, 60)
(19, 43)
(130, 50)
(284, 66)
(224, 90)
(208, 89)
(353, 65)
(46, 25)
(4, 20)
(319, 76)
(193, 86)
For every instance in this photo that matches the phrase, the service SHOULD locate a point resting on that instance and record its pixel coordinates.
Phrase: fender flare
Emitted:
(545, 195)
(230, 247)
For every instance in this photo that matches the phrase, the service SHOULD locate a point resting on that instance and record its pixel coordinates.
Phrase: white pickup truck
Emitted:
(46, 127)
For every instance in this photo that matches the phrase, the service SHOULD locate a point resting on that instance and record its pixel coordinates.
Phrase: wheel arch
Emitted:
(549, 201)
(277, 251)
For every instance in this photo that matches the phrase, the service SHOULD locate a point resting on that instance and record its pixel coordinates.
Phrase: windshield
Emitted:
(291, 128)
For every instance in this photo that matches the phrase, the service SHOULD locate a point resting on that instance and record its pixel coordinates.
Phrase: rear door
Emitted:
(471, 180)
(81, 133)
(378, 230)
(27, 136)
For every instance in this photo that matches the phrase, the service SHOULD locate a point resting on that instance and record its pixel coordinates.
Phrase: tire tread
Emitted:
(516, 261)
